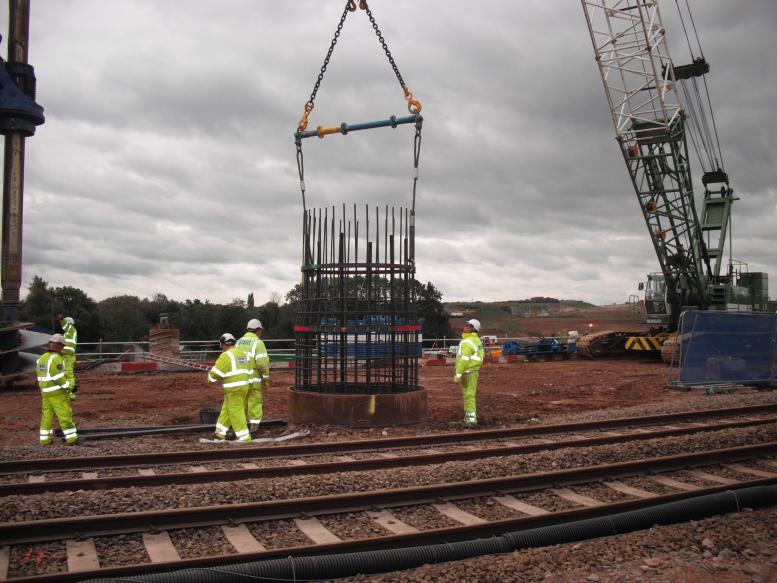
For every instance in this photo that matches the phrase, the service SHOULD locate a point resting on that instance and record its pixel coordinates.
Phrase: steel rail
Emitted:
(237, 452)
(198, 517)
(180, 478)
(426, 537)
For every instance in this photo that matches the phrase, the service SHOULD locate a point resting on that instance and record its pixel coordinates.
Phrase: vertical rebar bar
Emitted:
(357, 323)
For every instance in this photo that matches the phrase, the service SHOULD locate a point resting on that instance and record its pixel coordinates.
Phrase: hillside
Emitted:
(543, 318)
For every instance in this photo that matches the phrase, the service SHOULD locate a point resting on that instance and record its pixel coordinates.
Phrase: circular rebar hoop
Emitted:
(357, 328)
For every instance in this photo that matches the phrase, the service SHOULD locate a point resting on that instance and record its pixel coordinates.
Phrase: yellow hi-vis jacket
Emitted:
(231, 369)
(50, 370)
(71, 337)
(259, 360)
(469, 355)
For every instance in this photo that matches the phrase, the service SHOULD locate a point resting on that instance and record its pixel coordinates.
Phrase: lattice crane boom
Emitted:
(640, 85)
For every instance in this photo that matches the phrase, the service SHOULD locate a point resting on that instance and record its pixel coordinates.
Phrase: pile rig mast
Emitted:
(652, 128)
(19, 116)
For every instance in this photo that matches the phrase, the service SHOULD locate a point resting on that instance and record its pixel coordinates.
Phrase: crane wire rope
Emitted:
(703, 122)
(709, 147)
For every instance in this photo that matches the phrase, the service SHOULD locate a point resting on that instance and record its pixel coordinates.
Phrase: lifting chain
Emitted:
(350, 6)
(413, 105)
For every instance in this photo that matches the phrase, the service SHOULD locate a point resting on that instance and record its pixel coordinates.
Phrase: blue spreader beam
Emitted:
(344, 128)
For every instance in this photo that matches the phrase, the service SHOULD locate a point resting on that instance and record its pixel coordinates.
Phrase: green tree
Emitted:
(38, 305)
(294, 295)
(161, 304)
(431, 312)
(43, 303)
(122, 318)
(284, 327)
(73, 302)
(232, 318)
(269, 314)
(198, 321)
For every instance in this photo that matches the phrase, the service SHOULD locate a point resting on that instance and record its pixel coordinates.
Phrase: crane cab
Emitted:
(658, 310)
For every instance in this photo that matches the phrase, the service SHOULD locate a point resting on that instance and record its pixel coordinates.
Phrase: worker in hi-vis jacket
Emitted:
(69, 351)
(469, 359)
(251, 343)
(54, 389)
(232, 370)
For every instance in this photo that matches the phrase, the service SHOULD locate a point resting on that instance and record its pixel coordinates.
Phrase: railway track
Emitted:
(388, 518)
(230, 452)
(199, 474)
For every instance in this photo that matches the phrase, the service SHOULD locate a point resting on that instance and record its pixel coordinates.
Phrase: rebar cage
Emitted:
(357, 329)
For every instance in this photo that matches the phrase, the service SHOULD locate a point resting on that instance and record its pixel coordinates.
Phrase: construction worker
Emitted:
(232, 370)
(69, 352)
(469, 359)
(251, 343)
(54, 385)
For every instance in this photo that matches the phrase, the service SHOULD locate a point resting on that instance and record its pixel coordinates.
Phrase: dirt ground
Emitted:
(507, 394)
(557, 321)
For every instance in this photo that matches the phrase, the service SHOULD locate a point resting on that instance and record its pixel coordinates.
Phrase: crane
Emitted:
(653, 127)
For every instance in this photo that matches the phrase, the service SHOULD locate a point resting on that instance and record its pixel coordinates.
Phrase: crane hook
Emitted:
(413, 105)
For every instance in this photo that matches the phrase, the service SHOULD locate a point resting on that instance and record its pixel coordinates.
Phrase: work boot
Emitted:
(254, 427)
(79, 441)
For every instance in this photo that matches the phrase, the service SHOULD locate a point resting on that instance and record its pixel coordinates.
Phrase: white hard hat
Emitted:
(253, 324)
(57, 339)
(475, 324)
(70, 320)
(227, 338)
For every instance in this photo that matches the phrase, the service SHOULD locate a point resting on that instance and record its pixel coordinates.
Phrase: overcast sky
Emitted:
(167, 163)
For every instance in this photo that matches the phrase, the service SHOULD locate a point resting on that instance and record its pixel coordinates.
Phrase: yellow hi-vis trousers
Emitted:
(70, 366)
(469, 387)
(56, 403)
(255, 402)
(233, 415)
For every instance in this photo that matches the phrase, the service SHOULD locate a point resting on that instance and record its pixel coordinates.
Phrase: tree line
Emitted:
(127, 318)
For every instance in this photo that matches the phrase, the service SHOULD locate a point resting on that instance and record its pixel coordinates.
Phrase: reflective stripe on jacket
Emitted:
(469, 354)
(231, 369)
(71, 336)
(50, 370)
(254, 348)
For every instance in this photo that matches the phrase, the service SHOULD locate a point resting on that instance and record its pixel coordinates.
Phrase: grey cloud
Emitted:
(168, 142)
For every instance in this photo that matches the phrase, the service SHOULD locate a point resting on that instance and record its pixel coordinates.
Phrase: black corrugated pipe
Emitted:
(383, 561)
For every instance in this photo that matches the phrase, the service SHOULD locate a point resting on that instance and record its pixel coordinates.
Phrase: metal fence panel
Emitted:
(727, 347)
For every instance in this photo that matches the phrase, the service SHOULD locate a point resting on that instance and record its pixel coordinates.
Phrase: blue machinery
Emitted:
(544, 347)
